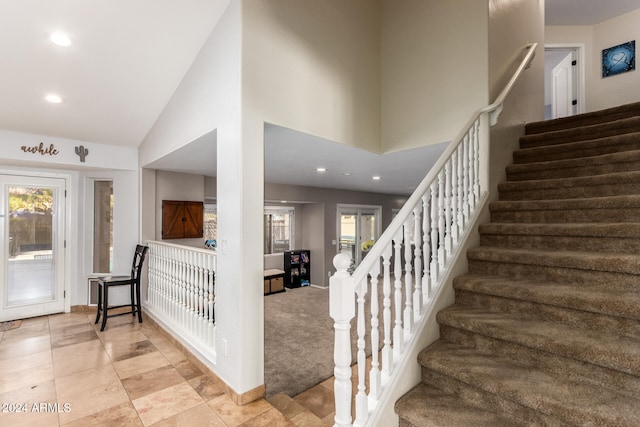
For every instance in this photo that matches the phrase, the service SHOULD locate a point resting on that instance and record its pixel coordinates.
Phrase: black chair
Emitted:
(104, 283)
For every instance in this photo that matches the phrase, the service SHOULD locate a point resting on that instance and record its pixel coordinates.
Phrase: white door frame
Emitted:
(63, 212)
(579, 48)
(344, 208)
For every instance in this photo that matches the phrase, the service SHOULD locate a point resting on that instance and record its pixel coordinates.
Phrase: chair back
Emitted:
(138, 260)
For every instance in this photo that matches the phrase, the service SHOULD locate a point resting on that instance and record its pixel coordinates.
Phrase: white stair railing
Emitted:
(181, 294)
(427, 234)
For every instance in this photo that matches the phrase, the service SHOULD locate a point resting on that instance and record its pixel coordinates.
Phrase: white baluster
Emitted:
(472, 172)
(441, 229)
(387, 353)
(374, 374)
(454, 198)
(476, 163)
(426, 234)
(447, 210)
(362, 408)
(467, 178)
(435, 265)
(461, 221)
(342, 310)
(398, 333)
(408, 280)
(417, 261)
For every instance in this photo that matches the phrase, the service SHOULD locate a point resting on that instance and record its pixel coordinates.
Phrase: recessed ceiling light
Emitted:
(376, 178)
(53, 98)
(321, 169)
(60, 39)
(347, 173)
(283, 201)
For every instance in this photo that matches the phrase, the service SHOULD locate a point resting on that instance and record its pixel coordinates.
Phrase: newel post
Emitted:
(342, 306)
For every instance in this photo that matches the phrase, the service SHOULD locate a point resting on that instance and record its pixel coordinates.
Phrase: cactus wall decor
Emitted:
(82, 152)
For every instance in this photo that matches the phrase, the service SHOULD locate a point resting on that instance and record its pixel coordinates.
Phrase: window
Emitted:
(102, 226)
(278, 229)
(210, 221)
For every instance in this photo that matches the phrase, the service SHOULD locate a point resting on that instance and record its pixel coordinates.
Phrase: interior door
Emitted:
(562, 88)
(358, 228)
(32, 211)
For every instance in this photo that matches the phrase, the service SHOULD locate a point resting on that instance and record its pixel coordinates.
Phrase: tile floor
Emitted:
(59, 370)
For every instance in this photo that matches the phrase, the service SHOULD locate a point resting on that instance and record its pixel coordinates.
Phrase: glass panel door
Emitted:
(31, 214)
(358, 229)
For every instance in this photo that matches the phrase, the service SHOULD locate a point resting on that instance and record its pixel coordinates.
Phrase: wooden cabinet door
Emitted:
(182, 220)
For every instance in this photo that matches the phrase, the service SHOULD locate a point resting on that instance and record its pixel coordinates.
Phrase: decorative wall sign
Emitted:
(619, 59)
(82, 152)
(41, 149)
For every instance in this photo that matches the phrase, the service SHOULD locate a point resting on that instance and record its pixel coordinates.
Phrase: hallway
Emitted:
(59, 370)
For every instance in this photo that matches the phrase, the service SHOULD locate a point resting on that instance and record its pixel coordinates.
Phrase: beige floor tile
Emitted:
(234, 415)
(20, 347)
(140, 364)
(270, 418)
(149, 382)
(172, 354)
(71, 329)
(25, 362)
(318, 400)
(187, 369)
(23, 399)
(207, 387)
(31, 330)
(97, 392)
(123, 415)
(26, 377)
(166, 403)
(307, 419)
(121, 336)
(200, 416)
(79, 357)
(66, 319)
(285, 404)
(67, 340)
(124, 351)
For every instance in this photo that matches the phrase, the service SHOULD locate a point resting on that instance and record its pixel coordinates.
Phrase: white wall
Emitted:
(434, 69)
(105, 161)
(610, 91)
(313, 66)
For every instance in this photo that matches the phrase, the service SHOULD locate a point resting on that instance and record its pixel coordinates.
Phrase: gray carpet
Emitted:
(298, 340)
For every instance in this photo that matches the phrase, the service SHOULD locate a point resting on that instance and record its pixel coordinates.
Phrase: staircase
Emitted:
(545, 329)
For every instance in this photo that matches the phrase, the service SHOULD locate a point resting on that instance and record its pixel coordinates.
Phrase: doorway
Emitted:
(358, 229)
(32, 215)
(564, 80)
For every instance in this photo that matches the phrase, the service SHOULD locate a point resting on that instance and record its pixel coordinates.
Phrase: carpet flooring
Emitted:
(298, 340)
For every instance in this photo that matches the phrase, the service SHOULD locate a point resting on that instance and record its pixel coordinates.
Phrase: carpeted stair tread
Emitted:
(568, 295)
(584, 166)
(579, 149)
(590, 118)
(625, 208)
(594, 261)
(583, 133)
(619, 183)
(571, 401)
(626, 229)
(607, 237)
(602, 348)
(426, 406)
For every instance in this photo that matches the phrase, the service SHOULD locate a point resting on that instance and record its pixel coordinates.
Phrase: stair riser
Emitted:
(545, 312)
(574, 192)
(526, 174)
(569, 243)
(607, 280)
(631, 214)
(580, 134)
(557, 365)
(575, 151)
(518, 414)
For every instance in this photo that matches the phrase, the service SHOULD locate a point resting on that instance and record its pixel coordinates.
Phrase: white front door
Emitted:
(32, 212)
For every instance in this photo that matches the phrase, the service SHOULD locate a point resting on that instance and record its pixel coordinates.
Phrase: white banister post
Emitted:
(342, 310)
(408, 279)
